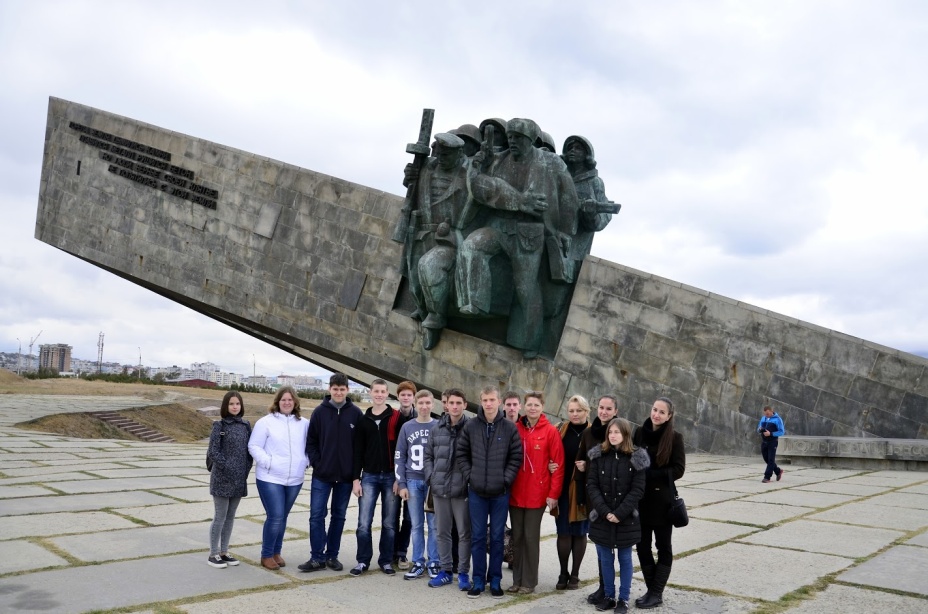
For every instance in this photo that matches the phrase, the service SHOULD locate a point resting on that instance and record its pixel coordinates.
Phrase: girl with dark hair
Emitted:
(231, 464)
(278, 445)
(668, 462)
(615, 484)
(606, 410)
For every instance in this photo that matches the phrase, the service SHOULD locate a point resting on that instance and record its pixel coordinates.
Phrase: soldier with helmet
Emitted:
(534, 205)
(436, 223)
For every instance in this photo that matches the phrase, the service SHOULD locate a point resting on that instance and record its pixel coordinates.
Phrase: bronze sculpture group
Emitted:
(497, 225)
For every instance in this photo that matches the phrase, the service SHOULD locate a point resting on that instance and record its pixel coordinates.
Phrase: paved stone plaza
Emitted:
(95, 525)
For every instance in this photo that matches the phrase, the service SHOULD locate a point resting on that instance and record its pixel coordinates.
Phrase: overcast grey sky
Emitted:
(776, 152)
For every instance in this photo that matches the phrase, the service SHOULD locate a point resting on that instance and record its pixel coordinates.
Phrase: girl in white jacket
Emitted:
(278, 445)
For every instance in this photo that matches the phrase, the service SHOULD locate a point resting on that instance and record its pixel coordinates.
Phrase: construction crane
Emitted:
(32, 343)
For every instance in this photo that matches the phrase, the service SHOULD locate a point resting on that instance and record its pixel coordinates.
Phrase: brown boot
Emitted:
(269, 563)
(280, 560)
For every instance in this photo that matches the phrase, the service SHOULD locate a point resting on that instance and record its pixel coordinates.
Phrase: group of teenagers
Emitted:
(463, 478)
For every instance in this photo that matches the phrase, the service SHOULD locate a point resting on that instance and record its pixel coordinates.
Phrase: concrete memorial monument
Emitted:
(481, 275)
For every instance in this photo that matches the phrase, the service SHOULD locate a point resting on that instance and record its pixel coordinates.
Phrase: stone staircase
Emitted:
(130, 426)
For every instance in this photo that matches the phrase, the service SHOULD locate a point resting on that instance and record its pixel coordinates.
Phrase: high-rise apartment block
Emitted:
(55, 356)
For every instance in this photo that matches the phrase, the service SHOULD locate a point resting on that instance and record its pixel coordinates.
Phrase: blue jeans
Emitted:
(277, 500)
(494, 510)
(768, 450)
(607, 568)
(324, 546)
(419, 517)
(374, 485)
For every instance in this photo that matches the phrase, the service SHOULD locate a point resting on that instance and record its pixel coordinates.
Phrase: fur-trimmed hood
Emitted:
(640, 458)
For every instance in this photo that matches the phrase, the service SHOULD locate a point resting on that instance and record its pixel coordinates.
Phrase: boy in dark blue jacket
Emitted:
(771, 428)
(329, 446)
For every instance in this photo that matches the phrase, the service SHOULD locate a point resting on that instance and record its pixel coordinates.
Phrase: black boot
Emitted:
(655, 594)
(600, 593)
(647, 570)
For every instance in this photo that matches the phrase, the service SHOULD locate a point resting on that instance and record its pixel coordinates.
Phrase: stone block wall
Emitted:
(722, 360)
(304, 261)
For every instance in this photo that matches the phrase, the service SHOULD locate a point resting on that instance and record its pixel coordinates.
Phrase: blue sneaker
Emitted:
(441, 579)
(463, 582)
(417, 571)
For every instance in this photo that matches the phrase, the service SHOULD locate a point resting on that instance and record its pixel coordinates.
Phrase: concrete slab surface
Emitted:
(21, 555)
(151, 541)
(839, 599)
(759, 514)
(76, 503)
(61, 523)
(66, 546)
(866, 513)
(733, 569)
(901, 568)
(826, 538)
(129, 583)
(803, 498)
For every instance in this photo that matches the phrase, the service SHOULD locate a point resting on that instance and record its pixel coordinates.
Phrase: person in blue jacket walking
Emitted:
(771, 428)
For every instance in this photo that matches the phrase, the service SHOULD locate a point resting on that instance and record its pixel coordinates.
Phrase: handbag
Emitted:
(677, 514)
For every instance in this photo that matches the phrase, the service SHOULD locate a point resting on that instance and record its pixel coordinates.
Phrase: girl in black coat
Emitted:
(231, 464)
(668, 462)
(615, 484)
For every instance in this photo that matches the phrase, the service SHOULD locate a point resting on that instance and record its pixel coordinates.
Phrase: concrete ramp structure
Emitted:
(305, 262)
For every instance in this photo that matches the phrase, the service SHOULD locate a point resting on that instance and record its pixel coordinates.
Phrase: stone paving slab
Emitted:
(734, 569)
(918, 488)
(194, 493)
(152, 541)
(675, 602)
(151, 483)
(919, 540)
(8, 492)
(806, 498)
(901, 568)
(51, 481)
(169, 513)
(884, 479)
(20, 555)
(759, 514)
(865, 513)
(859, 490)
(699, 534)
(80, 589)
(60, 523)
(901, 499)
(301, 599)
(721, 475)
(198, 462)
(826, 538)
(699, 495)
(839, 599)
(6, 464)
(77, 503)
(740, 486)
(139, 472)
(50, 471)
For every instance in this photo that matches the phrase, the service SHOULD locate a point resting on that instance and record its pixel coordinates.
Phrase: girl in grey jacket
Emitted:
(230, 465)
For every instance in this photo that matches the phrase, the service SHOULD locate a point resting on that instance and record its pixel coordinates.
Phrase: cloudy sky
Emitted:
(775, 152)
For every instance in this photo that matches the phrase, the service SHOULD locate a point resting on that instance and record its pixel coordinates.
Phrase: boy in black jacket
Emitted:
(329, 445)
(374, 477)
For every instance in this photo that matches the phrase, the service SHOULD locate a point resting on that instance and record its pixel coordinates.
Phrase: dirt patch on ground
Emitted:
(76, 425)
(181, 423)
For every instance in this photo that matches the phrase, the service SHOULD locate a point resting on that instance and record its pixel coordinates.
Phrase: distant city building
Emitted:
(55, 357)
